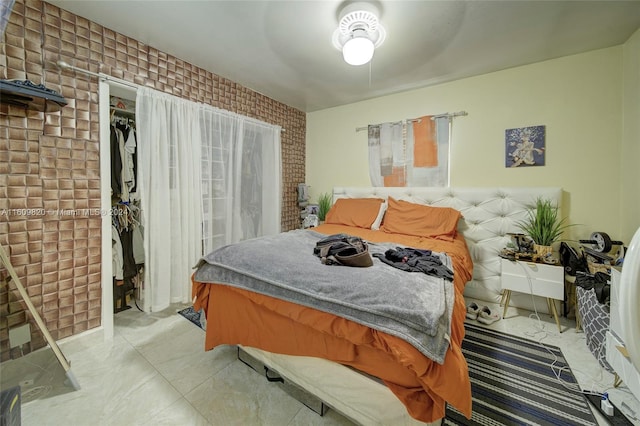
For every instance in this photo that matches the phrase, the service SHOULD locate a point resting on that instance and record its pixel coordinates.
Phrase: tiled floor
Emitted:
(155, 372)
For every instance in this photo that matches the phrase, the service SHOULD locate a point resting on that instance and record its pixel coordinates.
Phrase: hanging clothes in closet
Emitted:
(127, 240)
(127, 252)
(125, 221)
(124, 167)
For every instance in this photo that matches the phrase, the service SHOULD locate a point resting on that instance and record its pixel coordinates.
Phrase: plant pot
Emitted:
(542, 250)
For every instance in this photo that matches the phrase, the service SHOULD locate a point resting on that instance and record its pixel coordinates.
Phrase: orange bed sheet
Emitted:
(236, 316)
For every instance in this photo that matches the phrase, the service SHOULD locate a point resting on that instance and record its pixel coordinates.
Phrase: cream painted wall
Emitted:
(630, 160)
(578, 98)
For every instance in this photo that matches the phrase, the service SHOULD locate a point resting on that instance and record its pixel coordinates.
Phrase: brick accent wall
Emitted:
(50, 161)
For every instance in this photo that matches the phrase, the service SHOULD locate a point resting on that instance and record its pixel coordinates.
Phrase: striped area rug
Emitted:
(513, 383)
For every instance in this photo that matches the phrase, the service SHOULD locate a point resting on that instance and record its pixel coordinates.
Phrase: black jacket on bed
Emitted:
(416, 260)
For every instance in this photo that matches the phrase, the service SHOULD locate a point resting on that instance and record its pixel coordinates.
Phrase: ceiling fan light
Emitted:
(358, 50)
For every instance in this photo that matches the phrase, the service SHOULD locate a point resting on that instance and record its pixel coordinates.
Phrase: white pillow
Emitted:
(376, 223)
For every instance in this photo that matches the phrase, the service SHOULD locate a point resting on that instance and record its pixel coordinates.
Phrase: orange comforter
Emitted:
(236, 316)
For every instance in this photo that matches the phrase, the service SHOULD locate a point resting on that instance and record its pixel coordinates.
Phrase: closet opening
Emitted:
(123, 256)
(126, 228)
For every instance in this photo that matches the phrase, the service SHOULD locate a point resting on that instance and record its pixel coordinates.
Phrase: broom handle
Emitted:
(52, 343)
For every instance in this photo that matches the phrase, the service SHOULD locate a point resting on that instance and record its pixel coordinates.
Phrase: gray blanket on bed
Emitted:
(410, 305)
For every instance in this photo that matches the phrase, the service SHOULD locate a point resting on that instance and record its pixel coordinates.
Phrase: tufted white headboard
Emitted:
(488, 215)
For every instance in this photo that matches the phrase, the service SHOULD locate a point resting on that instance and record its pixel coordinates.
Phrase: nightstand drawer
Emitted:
(538, 279)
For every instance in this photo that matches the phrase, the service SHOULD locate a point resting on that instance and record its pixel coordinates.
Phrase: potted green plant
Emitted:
(324, 204)
(543, 225)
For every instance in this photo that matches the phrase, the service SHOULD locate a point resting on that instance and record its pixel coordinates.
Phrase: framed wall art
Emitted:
(525, 146)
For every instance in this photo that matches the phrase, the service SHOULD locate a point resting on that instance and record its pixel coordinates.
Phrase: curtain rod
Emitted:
(433, 117)
(65, 66)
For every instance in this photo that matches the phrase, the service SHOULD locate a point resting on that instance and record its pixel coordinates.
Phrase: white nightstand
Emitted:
(534, 278)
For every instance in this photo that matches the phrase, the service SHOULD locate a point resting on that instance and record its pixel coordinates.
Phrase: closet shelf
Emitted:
(123, 112)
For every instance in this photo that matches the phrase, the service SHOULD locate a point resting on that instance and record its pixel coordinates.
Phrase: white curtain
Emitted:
(258, 190)
(241, 178)
(207, 177)
(170, 195)
(218, 135)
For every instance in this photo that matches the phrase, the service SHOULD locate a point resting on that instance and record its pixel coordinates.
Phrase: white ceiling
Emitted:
(283, 49)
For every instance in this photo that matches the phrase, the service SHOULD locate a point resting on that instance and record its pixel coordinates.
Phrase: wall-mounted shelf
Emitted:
(28, 95)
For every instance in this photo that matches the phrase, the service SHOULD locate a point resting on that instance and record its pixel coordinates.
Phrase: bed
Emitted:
(371, 373)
